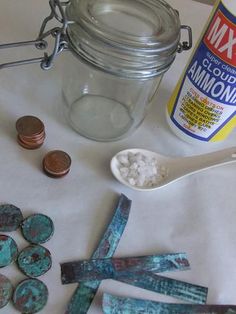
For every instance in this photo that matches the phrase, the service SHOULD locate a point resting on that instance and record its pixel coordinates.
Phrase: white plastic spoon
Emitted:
(174, 168)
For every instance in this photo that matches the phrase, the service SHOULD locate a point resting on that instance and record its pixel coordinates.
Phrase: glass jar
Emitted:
(120, 51)
(121, 48)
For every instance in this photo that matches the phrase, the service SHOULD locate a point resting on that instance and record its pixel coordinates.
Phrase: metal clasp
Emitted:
(186, 45)
(58, 33)
(60, 38)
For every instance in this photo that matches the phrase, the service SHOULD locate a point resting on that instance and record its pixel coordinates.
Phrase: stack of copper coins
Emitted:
(56, 163)
(31, 132)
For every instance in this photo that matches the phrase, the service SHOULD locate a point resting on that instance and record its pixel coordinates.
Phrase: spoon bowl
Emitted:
(168, 169)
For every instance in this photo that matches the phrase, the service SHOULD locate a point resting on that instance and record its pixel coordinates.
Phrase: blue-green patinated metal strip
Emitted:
(99, 269)
(118, 305)
(84, 294)
(172, 287)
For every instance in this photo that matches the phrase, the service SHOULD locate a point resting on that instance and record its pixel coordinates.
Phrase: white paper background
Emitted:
(195, 215)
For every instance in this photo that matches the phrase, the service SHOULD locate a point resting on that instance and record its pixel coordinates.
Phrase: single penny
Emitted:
(29, 126)
(56, 163)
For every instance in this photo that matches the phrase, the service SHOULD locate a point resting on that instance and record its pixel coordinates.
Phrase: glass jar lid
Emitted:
(132, 38)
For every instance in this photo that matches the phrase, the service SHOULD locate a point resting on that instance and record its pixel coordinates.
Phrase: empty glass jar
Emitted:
(120, 50)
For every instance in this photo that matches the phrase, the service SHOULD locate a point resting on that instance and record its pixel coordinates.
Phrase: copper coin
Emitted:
(57, 163)
(6, 290)
(33, 139)
(29, 126)
(27, 146)
(37, 228)
(34, 260)
(53, 175)
(10, 217)
(30, 296)
(8, 250)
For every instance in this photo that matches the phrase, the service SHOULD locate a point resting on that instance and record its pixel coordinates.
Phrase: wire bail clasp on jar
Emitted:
(57, 33)
(186, 44)
(60, 38)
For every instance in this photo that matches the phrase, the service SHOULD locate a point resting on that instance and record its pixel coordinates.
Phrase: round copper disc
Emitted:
(29, 126)
(57, 163)
(28, 146)
(34, 139)
(34, 260)
(37, 228)
(30, 296)
(5, 290)
(10, 217)
(8, 250)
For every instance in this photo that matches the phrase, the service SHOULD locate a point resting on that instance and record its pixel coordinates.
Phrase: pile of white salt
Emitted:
(140, 170)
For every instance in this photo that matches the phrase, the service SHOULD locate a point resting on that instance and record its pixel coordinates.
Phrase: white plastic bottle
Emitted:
(202, 107)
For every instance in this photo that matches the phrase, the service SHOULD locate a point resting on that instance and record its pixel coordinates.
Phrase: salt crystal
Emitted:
(134, 166)
(132, 181)
(141, 163)
(139, 157)
(124, 171)
(123, 159)
(141, 170)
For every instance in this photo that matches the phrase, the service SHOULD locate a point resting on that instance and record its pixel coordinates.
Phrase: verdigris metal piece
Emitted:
(34, 260)
(172, 287)
(30, 296)
(10, 217)
(132, 271)
(99, 269)
(114, 305)
(5, 290)
(37, 228)
(8, 250)
(84, 294)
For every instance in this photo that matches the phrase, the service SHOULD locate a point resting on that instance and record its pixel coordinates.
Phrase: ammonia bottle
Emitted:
(203, 104)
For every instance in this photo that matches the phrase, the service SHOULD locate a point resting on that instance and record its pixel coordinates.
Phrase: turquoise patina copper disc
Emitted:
(34, 260)
(8, 250)
(30, 296)
(5, 290)
(37, 228)
(10, 217)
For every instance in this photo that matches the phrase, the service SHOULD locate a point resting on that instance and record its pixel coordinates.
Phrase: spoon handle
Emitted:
(206, 161)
